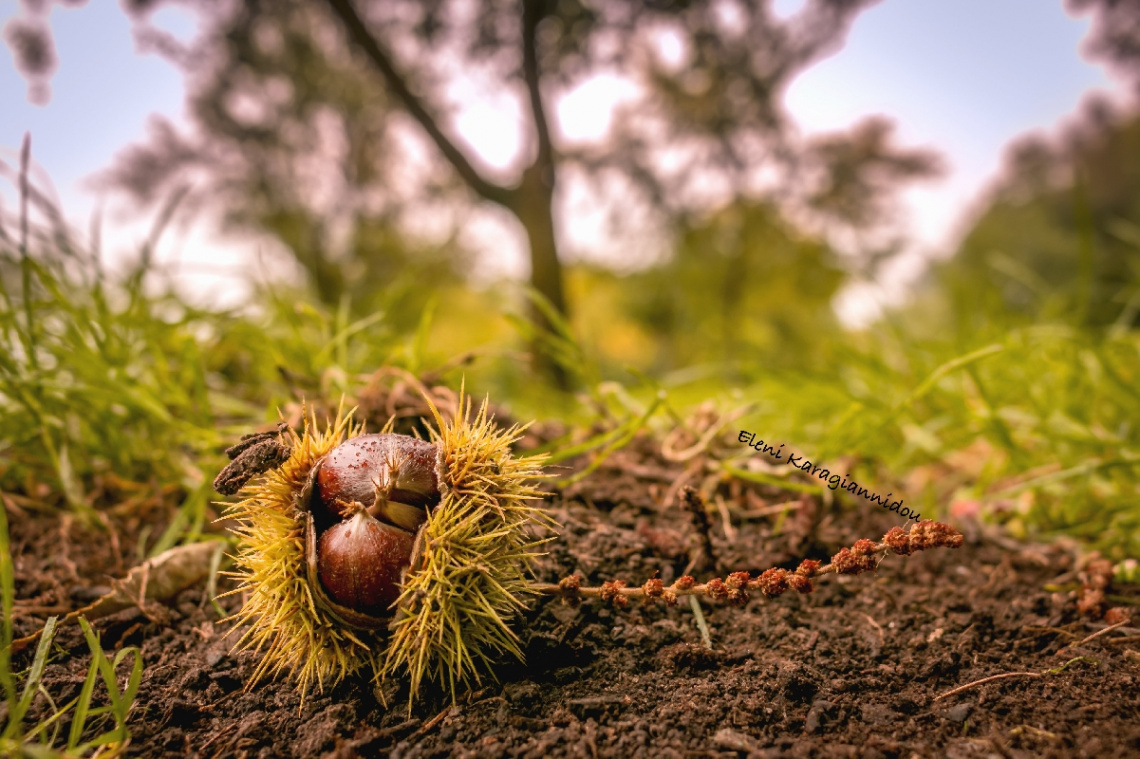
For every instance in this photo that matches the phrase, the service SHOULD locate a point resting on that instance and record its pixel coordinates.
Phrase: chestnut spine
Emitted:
(284, 620)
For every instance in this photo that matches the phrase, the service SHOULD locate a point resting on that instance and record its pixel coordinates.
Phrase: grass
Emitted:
(86, 719)
(115, 387)
(1027, 422)
(114, 390)
(1036, 424)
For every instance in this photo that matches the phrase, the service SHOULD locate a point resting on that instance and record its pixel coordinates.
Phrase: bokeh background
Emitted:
(903, 236)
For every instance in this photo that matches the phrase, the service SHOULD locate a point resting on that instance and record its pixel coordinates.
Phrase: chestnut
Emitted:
(394, 477)
(361, 563)
(370, 496)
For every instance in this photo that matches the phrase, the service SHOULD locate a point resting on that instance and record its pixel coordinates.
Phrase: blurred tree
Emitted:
(314, 117)
(743, 288)
(1115, 36)
(33, 50)
(1059, 236)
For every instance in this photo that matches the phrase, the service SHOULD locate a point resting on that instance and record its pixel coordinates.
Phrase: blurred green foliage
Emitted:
(1061, 236)
(741, 285)
(112, 385)
(1034, 426)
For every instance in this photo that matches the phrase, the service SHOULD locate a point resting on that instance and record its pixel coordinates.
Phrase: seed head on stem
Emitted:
(863, 556)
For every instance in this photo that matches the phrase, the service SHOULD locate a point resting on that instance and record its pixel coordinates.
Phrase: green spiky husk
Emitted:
(477, 550)
(471, 574)
(295, 635)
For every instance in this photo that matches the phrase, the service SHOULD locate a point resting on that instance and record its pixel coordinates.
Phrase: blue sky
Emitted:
(964, 77)
(102, 95)
(961, 76)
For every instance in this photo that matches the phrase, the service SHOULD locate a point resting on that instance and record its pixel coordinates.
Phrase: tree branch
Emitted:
(533, 11)
(370, 46)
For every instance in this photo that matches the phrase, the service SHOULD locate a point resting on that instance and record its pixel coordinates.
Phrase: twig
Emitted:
(1099, 633)
(983, 681)
(695, 505)
(174, 571)
(991, 678)
(702, 625)
(1019, 730)
(427, 726)
(680, 481)
(669, 453)
(39, 610)
(766, 511)
(725, 519)
(113, 536)
(1050, 630)
(875, 625)
(63, 554)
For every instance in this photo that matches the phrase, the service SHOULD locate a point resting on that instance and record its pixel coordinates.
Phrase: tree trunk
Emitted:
(533, 207)
(532, 201)
(535, 212)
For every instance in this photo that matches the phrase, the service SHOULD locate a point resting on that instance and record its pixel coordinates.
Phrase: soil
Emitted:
(854, 669)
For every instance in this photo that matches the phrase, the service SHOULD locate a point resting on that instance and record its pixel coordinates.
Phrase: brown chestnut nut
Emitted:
(392, 476)
(361, 563)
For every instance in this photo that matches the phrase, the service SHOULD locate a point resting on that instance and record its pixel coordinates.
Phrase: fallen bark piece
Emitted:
(159, 578)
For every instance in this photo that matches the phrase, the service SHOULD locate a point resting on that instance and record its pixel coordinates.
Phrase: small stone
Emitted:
(815, 716)
(959, 713)
(734, 740)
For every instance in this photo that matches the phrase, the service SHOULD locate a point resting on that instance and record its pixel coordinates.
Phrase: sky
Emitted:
(948, 74)
(963, 77)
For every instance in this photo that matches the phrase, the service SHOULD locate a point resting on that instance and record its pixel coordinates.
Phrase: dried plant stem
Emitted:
(1101, 632)
(430, 724)
(1005, 675)
(863, 556)
(702, 625)
(705, 555)
(985, 680)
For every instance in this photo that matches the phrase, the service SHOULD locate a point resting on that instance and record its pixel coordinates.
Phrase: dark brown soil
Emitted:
(852, 669)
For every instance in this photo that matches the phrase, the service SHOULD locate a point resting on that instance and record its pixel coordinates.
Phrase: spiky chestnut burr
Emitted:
(464, 576)
(323, 535)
